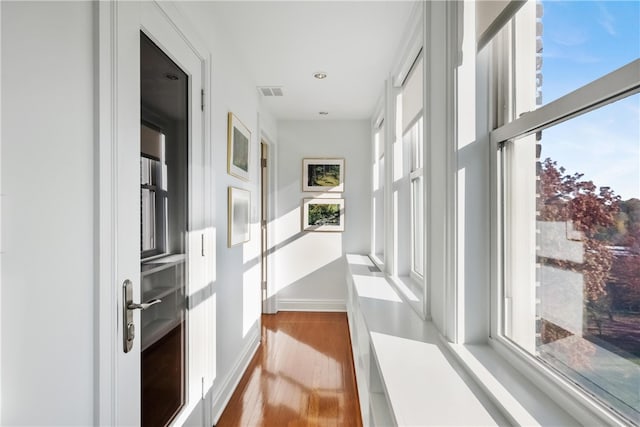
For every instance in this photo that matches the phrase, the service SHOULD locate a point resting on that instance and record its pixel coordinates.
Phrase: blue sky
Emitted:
(584, 40)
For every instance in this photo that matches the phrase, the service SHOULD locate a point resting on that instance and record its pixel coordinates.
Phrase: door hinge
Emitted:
(264, 163)
(202, 99)
(202, 388)
(202, 244)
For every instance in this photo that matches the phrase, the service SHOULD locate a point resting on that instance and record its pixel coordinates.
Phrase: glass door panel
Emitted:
(163, 230)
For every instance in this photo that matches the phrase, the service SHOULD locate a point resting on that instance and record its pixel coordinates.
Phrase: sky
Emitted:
(582, 41)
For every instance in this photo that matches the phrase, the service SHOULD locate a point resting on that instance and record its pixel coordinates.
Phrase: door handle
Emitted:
(144, 305)
(128, 327)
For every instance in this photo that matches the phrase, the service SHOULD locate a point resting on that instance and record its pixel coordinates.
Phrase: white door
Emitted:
(180, 256)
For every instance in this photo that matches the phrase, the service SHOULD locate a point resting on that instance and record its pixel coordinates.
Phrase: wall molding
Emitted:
(305, 304)
(223, 395)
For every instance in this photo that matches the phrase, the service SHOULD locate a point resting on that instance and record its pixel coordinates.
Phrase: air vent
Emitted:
(271, 90)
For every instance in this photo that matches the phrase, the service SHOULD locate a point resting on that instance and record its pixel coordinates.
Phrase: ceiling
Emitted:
(283, 43)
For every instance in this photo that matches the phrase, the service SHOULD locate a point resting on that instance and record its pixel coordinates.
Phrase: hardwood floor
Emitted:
(302, 375)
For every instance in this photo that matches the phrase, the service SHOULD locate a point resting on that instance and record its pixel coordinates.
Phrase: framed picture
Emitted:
(238, 216)
(238, 147)
(326, 175)
(321, 214)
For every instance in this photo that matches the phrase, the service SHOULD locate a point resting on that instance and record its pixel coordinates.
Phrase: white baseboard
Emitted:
(285, 304)
(222, 397)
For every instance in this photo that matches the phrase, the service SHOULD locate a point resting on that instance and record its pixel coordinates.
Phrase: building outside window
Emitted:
(569, 144)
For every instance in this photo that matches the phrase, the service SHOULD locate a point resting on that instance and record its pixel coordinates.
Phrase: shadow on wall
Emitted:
(310, 262)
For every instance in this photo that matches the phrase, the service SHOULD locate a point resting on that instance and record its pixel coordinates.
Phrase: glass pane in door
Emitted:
(163, 226)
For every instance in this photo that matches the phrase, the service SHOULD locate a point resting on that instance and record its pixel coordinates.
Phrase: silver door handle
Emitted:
(128, 327)
(144, 305)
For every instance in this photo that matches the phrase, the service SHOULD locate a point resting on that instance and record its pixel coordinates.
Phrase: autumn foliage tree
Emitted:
(566, 197)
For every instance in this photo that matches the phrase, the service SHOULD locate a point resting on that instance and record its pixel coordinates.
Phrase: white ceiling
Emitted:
(283, 43)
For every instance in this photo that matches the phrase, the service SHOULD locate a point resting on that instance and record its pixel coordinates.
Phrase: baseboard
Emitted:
(285, 304)
(222, 397)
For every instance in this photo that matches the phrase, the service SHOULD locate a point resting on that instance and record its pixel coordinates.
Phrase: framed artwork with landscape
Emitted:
(325, 175)
(322, 214)
(238, 145)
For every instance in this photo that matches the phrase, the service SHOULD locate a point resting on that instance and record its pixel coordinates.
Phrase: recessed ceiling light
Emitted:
(171, 76)
(320, 75)
(324, 113)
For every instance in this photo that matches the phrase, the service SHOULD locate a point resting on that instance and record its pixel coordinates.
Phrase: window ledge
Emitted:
(429, 381)
(521, 402)
(411, 292)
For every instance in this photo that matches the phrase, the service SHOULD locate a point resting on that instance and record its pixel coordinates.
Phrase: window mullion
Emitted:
(611, 87)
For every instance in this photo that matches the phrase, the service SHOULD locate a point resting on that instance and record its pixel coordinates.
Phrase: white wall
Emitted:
(236, 288)
(47, 214)
(309, 269)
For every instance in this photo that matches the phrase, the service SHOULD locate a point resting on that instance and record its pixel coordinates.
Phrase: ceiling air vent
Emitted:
(271, 90)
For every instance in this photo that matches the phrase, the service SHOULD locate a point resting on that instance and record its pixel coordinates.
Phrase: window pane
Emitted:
(572, 43)
(148, 219)
(417, 145)
(417, 198)
(578, 216)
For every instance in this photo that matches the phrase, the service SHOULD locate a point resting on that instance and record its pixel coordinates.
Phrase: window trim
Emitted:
(616, 85)
(609, 88)
(378, 126)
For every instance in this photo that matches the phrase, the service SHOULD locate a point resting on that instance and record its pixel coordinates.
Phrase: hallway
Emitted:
(302, 375)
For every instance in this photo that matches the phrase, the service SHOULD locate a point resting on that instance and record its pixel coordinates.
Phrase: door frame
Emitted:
(270, 304)
(108, 289)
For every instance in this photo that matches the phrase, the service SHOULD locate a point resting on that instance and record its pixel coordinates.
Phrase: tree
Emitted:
(569, 198)
(565, 197)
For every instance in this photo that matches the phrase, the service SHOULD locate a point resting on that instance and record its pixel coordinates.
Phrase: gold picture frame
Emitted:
(238, 148)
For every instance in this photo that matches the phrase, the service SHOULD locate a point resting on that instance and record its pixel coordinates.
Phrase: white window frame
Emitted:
(417, 172)
(378, 154)
(410, 283)
(616, 85)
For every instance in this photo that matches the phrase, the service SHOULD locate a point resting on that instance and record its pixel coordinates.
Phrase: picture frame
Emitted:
(323, 175)
(238, 148)
(239, 208)
(323, 214)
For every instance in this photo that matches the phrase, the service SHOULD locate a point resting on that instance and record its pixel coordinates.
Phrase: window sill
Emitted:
(564, 393)
(412, 292)
(516, 397)
(427, 380)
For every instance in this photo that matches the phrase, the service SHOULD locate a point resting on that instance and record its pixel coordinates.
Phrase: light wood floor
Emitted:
(302, 375)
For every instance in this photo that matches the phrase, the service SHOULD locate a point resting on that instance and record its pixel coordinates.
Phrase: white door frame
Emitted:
(110, 18)
(270, 305)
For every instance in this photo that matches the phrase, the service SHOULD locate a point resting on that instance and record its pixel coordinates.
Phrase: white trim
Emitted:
(231, 381)
(1, 192)
(412, 42)
(567, 395)
(513, 395)
(619, 83)
(390, 252)
(106, 292)
(271, 304)
(308, 304)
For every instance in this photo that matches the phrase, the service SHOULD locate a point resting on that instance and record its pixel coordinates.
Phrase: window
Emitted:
(412, 126)
(153, 193)
(570, 169)
(378, 222)
(408, 176)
